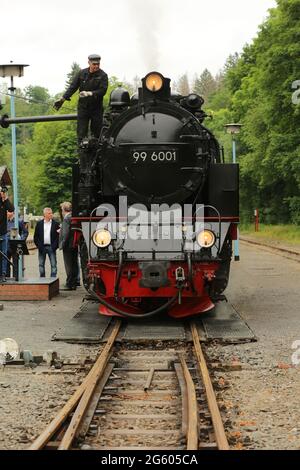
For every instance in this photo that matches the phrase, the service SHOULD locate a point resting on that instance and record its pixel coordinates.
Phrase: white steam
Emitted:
(146, 16)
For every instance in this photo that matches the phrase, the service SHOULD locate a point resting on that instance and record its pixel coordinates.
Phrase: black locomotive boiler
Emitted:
(155, 208)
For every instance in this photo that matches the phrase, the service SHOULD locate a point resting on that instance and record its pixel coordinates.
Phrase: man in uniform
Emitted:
(6, 209)
(92, 83)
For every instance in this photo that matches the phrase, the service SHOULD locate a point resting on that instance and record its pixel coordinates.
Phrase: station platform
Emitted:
(30, 289)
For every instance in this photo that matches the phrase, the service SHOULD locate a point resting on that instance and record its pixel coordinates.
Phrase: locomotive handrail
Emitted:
(5, 120)
(147, 144)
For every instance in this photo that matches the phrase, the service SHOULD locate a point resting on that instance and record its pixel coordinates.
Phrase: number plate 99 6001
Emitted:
(154, 156)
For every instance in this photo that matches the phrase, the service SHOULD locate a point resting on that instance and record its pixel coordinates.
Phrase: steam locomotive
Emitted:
(155, 207)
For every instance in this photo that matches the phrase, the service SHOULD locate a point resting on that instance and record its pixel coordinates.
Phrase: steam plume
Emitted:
(147, 14)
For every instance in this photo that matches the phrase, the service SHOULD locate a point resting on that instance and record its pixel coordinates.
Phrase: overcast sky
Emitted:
(132, 36)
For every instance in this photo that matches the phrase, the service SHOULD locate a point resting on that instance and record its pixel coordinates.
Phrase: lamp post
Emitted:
(233, 129)
(14, 70)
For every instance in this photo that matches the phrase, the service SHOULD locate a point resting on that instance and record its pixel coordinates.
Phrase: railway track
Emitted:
(141, 398)
(285, 252)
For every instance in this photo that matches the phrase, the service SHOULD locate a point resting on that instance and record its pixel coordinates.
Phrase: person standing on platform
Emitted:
(46, 239)
(6, 210)
(70, 253)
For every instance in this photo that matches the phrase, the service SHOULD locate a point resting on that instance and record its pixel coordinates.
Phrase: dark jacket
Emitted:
(96, 82)
(38, 237)
(66, 234)
(5, 206)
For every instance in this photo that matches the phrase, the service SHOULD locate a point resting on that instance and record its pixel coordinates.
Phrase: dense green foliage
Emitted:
(256, 90)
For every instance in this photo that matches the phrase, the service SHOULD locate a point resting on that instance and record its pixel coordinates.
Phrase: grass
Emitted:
(281, 233)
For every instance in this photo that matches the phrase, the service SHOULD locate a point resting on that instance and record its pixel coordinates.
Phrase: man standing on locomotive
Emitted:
(92, 83)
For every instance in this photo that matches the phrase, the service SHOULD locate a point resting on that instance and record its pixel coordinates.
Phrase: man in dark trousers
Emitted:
(6, 209)
(66, 244)
(46, 239)
(23, 234)
(92, 83)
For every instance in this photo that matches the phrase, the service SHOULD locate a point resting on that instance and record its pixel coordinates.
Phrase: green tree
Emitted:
(205, 84)
(54, 184)
(37, 94)
(38, 166)
(75, 68)
(183, 86)
(256, 90)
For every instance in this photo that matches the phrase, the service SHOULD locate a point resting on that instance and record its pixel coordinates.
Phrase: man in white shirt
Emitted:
(46, 239)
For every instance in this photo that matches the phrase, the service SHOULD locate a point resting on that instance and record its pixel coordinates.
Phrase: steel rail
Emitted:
(192, 426)
(280, 251)
(221, 438)
(184, 403)
(149, 379)
(94, 403)
(92, 378)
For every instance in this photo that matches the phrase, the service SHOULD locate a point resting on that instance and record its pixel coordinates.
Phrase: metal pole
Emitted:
(236, 242)
(233, 149)
(5, 121)
(14, 167)
(256, 213)
(14, 151)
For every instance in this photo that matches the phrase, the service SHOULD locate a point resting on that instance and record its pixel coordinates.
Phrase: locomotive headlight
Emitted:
(154, 82)
(102, 238)
(206, 239)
